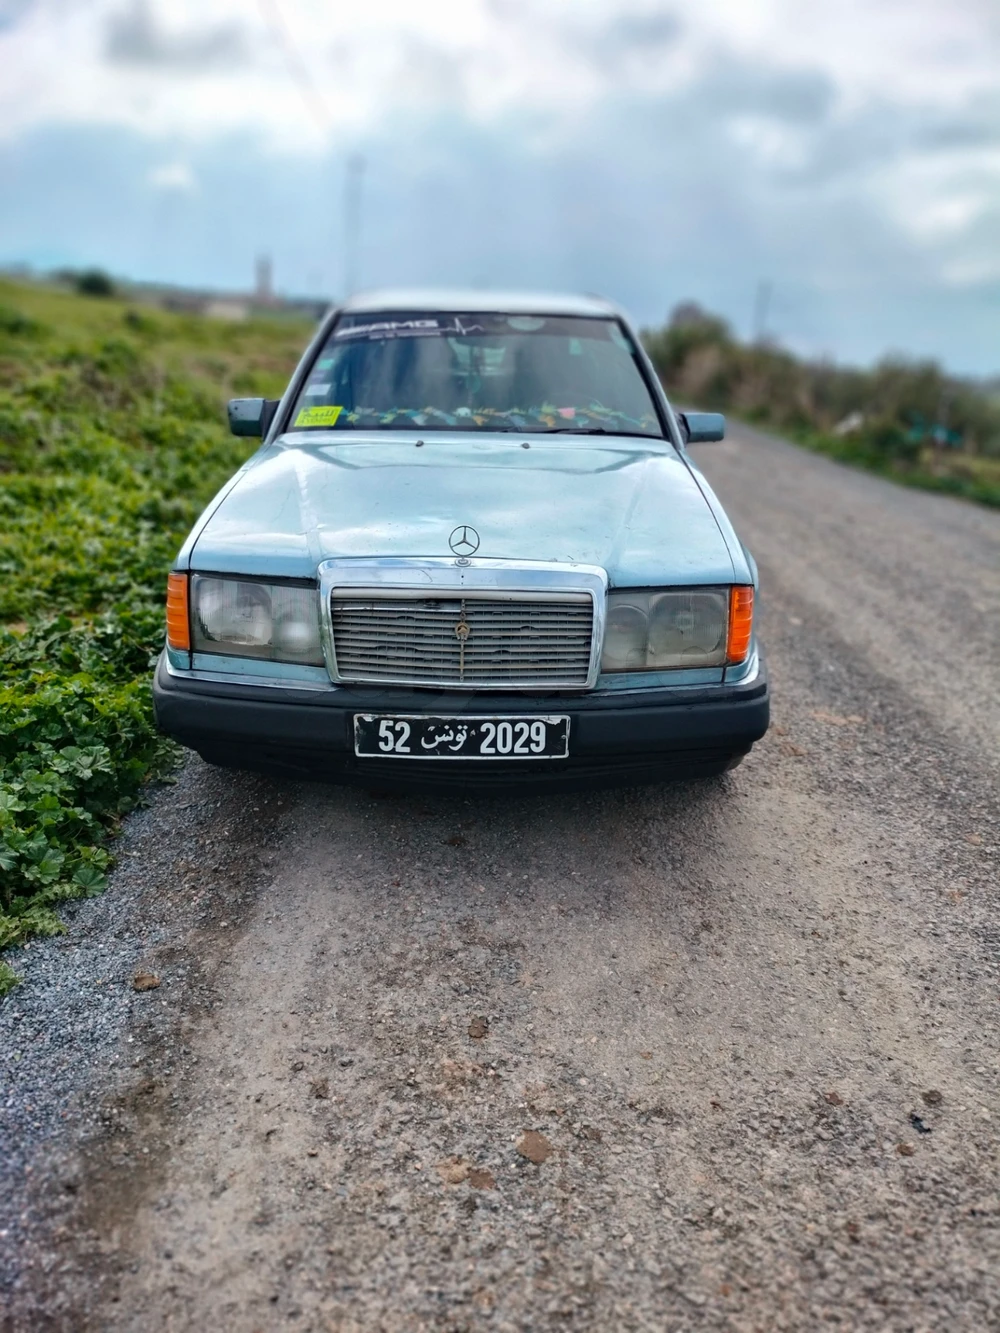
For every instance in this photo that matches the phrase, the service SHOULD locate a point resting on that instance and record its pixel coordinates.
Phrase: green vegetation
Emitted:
(907, 420)
(112, 438)
(94, 282)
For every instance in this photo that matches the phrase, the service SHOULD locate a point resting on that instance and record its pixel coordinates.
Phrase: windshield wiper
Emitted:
(598, 430)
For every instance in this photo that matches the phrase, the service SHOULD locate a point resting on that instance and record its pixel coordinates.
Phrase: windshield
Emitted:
(483, 372)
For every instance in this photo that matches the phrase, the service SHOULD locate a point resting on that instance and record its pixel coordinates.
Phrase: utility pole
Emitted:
(264, 290)
(352, 220)
(761, 309)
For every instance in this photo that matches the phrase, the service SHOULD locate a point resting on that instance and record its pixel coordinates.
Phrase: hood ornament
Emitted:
(464, 540)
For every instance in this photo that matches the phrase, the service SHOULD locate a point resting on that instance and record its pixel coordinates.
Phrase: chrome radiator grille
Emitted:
(516, 641)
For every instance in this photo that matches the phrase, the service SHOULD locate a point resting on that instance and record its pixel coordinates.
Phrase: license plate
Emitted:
(409, 736)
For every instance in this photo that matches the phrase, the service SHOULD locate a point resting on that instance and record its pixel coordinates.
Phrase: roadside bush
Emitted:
(94, 282)
(908, 419)
(112, 438)
(888, 441)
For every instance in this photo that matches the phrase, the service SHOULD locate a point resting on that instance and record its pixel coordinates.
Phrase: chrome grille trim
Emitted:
(510, 642)
(532, 625)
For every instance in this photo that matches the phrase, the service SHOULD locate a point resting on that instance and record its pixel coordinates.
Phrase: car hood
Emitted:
(633, 508)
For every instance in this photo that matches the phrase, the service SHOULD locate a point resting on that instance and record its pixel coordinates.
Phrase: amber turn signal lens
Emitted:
(740, 624)
(178, 622)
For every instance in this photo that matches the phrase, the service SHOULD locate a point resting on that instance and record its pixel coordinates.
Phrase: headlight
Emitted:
(659, 631)
(278, 622)
(625, 633)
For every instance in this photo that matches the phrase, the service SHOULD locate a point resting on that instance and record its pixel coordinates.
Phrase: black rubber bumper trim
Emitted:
(206, 715)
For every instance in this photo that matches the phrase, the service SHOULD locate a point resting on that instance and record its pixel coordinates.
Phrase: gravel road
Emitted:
(716, 1056)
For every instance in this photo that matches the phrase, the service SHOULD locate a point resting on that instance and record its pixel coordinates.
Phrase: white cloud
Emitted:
(972, 271)
(942, 218)
(775, 145)
(199, 68)
(176, 176)
(944, 201)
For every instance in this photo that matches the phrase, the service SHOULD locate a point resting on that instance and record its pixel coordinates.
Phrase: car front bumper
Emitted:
(617, 738)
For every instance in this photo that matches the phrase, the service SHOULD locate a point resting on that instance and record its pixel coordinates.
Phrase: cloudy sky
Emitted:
(845, 151)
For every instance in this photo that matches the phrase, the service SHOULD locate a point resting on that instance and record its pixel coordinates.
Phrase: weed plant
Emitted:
(112, 439)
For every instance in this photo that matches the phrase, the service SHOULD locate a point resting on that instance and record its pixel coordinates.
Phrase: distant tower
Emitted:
(264, 291)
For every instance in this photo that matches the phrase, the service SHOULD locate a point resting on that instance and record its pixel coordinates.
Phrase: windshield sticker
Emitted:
(325, 364)
(314, 390)
(455, 326)
(424, 324)
(318, 416)
(390, 328)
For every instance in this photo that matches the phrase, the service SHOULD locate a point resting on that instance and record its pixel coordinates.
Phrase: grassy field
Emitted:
(112, 438)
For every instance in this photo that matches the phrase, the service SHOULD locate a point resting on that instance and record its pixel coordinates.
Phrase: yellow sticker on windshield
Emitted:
(318, 416)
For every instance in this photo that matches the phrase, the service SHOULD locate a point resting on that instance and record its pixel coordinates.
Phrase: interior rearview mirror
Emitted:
(702, 427)
(251, 416)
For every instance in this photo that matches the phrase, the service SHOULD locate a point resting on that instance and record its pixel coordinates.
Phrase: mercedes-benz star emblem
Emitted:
(464, 540)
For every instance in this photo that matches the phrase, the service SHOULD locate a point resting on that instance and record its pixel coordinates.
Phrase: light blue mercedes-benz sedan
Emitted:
(472, 551)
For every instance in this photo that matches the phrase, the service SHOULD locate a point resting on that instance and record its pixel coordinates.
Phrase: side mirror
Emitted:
(702, 427)
(251, 416)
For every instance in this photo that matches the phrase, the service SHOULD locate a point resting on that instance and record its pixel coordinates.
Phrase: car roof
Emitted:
(479, 301)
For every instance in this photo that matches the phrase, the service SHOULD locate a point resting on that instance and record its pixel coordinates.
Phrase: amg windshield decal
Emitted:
(457, 327)
(389, 328)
